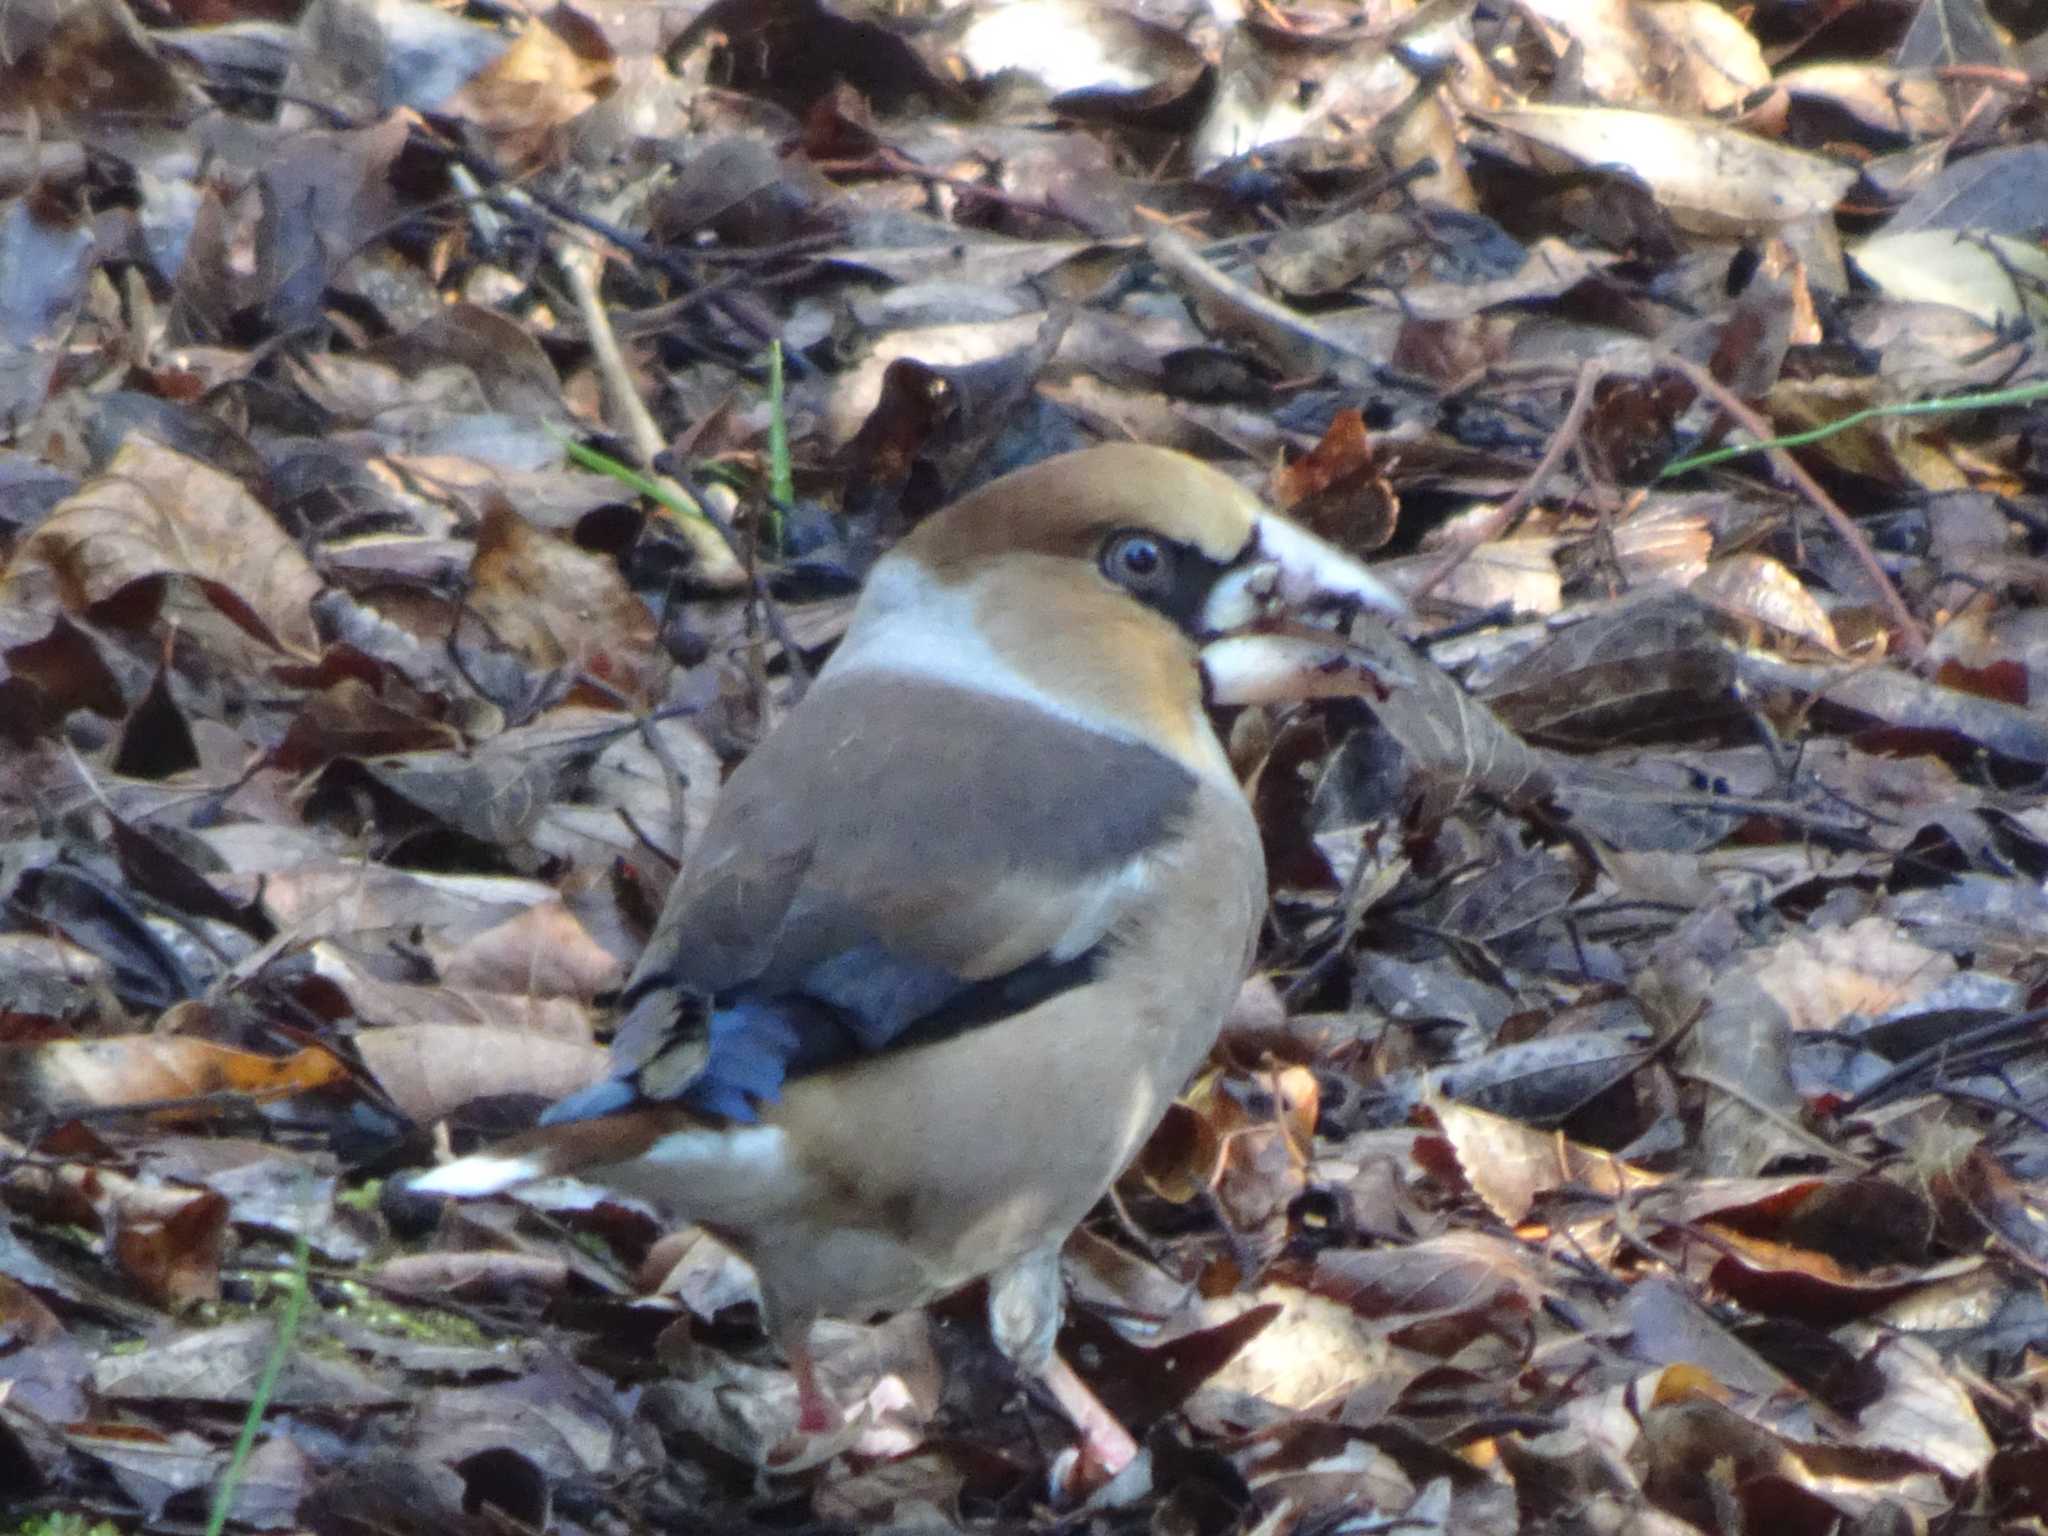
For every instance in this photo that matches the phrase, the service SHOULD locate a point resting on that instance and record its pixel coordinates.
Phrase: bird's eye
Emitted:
(1141, 563)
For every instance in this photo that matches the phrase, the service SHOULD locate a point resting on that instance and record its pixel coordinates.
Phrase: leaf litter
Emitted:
(1636, 1118)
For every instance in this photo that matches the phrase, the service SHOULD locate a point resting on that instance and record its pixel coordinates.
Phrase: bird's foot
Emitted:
(816, 1414)
(1106, 1447)
(821, 1433)
(820, 1426)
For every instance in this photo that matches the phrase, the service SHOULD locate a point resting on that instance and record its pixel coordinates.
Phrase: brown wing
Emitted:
(901, 856)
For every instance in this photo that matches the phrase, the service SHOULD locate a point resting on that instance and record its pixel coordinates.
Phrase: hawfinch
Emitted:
(965, 923)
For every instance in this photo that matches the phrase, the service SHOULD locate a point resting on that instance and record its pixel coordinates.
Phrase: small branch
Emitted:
(1296, 342)
(1912, 638)
(2021, 394)
(714, 561)
(1509, 512)
(891, 162)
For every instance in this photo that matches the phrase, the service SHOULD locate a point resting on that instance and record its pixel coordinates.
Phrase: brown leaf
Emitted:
(155, 515)
(1339, 489)
(560, 608)
(558, 67)
(1509, 1165)
(142, 1069)
(431, 1070)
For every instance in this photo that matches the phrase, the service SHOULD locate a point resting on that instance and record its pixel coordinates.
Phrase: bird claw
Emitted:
(816, 1414)
(1106, 1450)
(884, 1423)
(1079, 1478)
(822, 1433)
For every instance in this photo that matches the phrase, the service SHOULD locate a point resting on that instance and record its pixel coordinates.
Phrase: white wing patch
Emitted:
(735, 1148)
(1099, 903)
(485, 1173)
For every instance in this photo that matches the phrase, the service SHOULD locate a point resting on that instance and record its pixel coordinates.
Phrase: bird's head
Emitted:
(1099, 583)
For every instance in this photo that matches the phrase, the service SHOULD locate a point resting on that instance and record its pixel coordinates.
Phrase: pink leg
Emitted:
(816, 1414)
(1104, 1441)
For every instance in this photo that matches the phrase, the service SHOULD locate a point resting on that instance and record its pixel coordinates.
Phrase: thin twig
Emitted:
(889, 162)
(1773, 1116)
(1943, 1055)
(714, 562)
(1912, 638)
(1947, 405)
(1505, 515)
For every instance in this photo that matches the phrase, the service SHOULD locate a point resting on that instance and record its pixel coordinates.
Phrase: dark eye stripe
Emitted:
(1182, 591)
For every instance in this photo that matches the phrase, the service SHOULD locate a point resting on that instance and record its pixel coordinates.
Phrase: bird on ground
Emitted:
(964, 924)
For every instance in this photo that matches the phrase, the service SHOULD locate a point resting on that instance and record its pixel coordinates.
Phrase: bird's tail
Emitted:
(666, 1156)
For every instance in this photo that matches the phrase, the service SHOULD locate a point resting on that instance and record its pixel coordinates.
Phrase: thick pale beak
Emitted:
(1292, 576)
